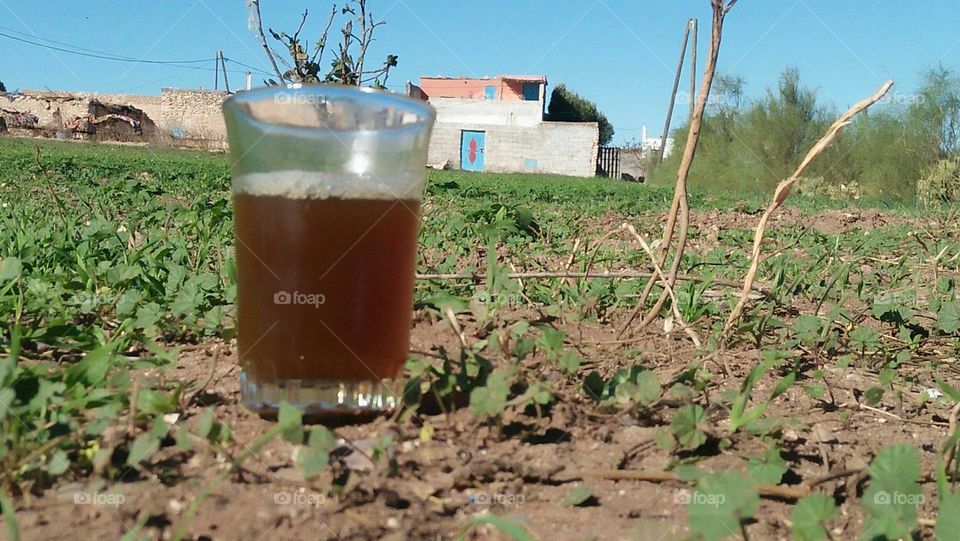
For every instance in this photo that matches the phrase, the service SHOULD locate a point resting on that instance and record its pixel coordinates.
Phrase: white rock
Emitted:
(175, 506)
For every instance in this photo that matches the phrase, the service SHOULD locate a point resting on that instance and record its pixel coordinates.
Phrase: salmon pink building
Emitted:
(497, 124)
(501, 87)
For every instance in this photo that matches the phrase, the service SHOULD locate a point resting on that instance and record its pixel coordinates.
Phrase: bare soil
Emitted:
(448, 467)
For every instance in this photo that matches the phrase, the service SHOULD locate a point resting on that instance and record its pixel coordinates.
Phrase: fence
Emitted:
(608, 162)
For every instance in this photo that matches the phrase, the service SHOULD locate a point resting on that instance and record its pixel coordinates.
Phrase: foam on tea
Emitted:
(310, 185)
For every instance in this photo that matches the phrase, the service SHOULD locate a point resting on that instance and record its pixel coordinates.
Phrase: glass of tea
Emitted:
(327, 182)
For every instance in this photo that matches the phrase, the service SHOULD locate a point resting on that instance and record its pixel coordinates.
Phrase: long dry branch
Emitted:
(770, 491)
(257, 25)
(476, 277)
(783, 190)
(679, 208)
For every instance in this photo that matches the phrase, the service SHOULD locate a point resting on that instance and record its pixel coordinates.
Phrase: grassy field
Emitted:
(533, 410)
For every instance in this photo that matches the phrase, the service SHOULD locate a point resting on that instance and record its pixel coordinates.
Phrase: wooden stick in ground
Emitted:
(695, 124)
(783, 190)
(673, 93)
(571, 259)
(679, 208)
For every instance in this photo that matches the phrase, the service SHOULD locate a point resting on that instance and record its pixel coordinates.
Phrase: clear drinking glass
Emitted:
(327, 184)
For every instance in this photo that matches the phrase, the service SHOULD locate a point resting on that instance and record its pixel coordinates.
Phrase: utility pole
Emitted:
(673, 94)
(223, 64)
(693, 66)
(216, 71)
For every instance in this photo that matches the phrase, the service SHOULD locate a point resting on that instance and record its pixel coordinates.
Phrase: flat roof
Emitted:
(526, 78)
(522, 78)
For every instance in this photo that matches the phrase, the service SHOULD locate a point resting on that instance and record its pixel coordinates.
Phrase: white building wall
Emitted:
(559, 148)
(568, 148)
(496, 112)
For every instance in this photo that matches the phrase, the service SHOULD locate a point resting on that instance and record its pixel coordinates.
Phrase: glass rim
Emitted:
(424, 112)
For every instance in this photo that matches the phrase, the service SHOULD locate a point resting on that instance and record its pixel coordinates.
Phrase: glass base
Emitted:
(321, 398)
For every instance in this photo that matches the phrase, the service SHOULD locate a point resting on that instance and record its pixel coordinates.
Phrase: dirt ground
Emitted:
(449, 467)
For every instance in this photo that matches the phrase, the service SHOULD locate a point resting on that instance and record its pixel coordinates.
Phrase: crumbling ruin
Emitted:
(176, 117)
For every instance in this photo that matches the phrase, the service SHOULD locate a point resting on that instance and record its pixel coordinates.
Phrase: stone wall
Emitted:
(560, 148)
(177, 116)
(194, 115)
(634, 162)
(50, 108)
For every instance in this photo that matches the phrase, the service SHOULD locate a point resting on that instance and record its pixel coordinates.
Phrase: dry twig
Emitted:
(783, 190)
(563, 274)
(452, 319)
(666, 284)
(951, 452)
(770, 491)
(256, 24)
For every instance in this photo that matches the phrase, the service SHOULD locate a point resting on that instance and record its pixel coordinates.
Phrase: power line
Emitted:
(258, 70)
(33, 36)
(93, 53)
(104, 56)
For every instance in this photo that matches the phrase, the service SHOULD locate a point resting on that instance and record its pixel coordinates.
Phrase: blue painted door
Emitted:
(471, 150)
(490, 92)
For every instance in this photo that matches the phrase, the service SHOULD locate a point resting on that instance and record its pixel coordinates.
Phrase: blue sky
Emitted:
(619, 53)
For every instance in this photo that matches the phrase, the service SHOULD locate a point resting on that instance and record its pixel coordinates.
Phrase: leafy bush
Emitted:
(751, 145)
(940, 183)
(818, 186)
(568, 106)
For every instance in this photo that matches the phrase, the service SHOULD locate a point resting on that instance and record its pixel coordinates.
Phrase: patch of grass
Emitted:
(111, 258)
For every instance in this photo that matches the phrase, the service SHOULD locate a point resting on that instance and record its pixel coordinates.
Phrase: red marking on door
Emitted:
(472, 153)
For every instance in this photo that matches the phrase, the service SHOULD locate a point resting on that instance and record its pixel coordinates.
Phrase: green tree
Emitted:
(568, 106)
(781, 128)
(934, 113)
(3, 87)
(755, 144)
(892, 147)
